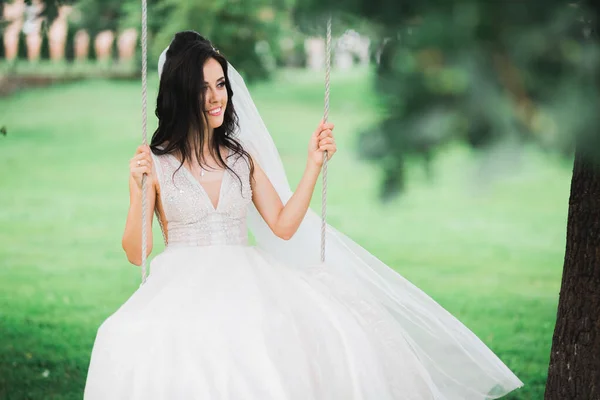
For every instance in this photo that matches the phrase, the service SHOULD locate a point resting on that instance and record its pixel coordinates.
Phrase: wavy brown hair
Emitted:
(180, 104)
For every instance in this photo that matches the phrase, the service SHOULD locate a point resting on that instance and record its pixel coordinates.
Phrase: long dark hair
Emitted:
(180, 104)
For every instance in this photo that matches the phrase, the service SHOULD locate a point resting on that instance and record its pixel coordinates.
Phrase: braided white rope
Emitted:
(144, 131)
(325, 155)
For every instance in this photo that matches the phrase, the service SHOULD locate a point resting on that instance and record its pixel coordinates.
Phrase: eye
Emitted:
(221, 84)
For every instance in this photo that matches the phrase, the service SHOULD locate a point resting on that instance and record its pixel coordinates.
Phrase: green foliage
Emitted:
(246, 32)
(96, 16)
(481, 72)
(484, 73)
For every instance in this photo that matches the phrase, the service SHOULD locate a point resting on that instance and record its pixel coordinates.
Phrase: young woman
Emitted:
(220, 319)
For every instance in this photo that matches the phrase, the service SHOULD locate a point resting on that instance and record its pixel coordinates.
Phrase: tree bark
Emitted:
(574, 371)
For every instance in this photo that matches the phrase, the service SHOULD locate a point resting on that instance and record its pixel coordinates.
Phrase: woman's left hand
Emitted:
(321, 140)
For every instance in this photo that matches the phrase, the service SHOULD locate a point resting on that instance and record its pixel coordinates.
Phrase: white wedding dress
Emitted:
(219, 319)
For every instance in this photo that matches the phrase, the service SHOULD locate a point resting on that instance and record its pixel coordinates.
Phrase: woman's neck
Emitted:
(208, 144)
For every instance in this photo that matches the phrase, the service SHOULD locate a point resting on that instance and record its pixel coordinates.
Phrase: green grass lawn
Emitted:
(487, 246)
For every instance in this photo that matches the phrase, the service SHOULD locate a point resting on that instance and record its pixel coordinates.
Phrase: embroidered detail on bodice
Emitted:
(192, 220)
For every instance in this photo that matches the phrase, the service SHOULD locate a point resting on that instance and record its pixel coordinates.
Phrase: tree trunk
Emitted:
(574, 372)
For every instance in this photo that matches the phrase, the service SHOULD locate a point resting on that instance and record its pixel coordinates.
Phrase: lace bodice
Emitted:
(191, 217)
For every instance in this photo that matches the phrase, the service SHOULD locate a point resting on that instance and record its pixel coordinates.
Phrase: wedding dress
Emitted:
(221, 319)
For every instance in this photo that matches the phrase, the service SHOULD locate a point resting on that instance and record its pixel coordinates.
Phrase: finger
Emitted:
(318, 131)
(137, 162)
(328, 125)
(325, 141)
(140, 163)
(321, 126)
(330, 148)
(325, 133)
(143, 149)
(142, 156)
(141, 170)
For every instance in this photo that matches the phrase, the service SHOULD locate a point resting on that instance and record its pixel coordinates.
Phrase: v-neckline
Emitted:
(194, 181)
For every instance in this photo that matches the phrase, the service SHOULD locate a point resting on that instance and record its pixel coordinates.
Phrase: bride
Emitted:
(220, 319)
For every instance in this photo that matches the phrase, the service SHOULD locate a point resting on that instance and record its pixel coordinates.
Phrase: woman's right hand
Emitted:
(141, 164)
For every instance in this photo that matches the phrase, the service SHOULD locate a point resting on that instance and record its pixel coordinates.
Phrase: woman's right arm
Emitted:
(132, 237)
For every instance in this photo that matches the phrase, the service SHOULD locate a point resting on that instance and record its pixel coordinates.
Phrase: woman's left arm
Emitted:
(285, 220)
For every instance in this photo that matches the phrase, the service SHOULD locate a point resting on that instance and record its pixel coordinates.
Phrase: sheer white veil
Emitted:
(454, 357)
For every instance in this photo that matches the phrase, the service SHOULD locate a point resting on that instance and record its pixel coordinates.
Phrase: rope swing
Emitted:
(325, 117)
(144, 132)
(144, 43)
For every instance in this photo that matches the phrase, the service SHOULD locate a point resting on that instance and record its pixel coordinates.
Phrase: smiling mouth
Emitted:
(215, 111)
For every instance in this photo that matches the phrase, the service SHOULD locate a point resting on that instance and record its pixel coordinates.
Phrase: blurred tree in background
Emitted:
(485, 73)
(96, 16)
(247, 32)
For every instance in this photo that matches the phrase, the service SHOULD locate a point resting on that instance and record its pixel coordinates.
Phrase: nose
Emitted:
(214, 96)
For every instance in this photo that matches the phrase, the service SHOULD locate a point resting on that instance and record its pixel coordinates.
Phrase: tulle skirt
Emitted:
(230, 322)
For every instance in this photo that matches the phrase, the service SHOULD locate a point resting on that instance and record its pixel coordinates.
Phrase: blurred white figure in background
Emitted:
(315, 53)
(126, 44)
(81, 43)
(32, 28)
(103, 45)
(13, 13)
(57, 33)
(350, 46)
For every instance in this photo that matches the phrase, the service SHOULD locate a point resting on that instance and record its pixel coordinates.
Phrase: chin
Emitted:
(216, 124)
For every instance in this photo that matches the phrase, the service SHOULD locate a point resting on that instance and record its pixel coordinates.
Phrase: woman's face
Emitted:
(215, 93)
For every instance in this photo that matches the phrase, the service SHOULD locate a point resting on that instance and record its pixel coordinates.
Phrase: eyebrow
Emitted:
(220, 79)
